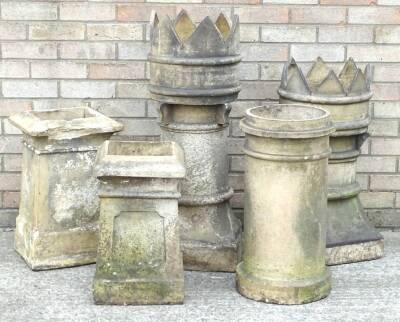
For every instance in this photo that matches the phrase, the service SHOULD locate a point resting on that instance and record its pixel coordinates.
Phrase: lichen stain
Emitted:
(74, 197)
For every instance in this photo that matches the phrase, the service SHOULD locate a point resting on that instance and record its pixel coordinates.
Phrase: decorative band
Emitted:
(342, 157)
(343, 192)
(193, 200)
(249, 129)
(169, 91)
(208, 61)
(115, 193)
(287, 158)
(193, 128)
(352, 124)
(337, 100)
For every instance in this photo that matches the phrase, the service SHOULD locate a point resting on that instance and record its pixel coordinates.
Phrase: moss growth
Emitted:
(137, 292)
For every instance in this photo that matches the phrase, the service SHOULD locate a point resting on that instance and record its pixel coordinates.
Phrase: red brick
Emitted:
(264, 52)
(265, 14)
(349, 2)
(315, 15)
(10, 144)
(385, 146)
(117, 71)
(12, 30)
(57, 31)
(346, 34)
(9, 181)
(374, 15)
(374, 53)
(142, 12)
(387, 73)
(381, 182)
(87, 11)
(115, 31)
(12, 162)
(9, 107)
(28, 10)
(139, 127)
(377, 199)
(11, 199)
(308, 52)
(260, 90)
(387, 34)
(234, 1)
(386, 91)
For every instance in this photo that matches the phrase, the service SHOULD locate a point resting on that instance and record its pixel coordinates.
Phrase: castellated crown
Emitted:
(322, 81)
(194, 65)
(182, 38)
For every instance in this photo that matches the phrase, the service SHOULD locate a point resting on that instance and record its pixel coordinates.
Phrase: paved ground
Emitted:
(368, 291)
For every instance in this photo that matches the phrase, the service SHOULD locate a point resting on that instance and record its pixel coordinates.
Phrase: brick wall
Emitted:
(65, 53)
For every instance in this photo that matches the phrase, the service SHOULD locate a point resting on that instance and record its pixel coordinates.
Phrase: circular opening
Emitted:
(287, 112)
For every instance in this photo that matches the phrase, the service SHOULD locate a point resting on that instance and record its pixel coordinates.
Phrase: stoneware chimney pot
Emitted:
(58, 213)
(286, 159)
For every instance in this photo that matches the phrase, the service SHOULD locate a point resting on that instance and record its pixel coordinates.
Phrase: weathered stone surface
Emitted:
(346, 97)
(193, 74)
(139, 258)
(57, 222)
(284, 237)
(354, 252)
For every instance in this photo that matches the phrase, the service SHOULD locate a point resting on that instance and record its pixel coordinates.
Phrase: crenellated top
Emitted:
(194, 65)
(182, 38)
(322, 82)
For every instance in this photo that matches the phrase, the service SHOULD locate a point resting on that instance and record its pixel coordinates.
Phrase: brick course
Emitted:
(66, 53)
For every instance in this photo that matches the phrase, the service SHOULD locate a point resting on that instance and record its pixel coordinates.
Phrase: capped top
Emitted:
(180, 37)
(323, 85)
(287, 121)
(140, 159)
(65, 123)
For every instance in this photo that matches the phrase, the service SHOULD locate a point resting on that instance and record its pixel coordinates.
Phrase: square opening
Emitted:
(67, 114)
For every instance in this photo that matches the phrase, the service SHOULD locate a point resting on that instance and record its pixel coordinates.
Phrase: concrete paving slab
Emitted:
(368, 291)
